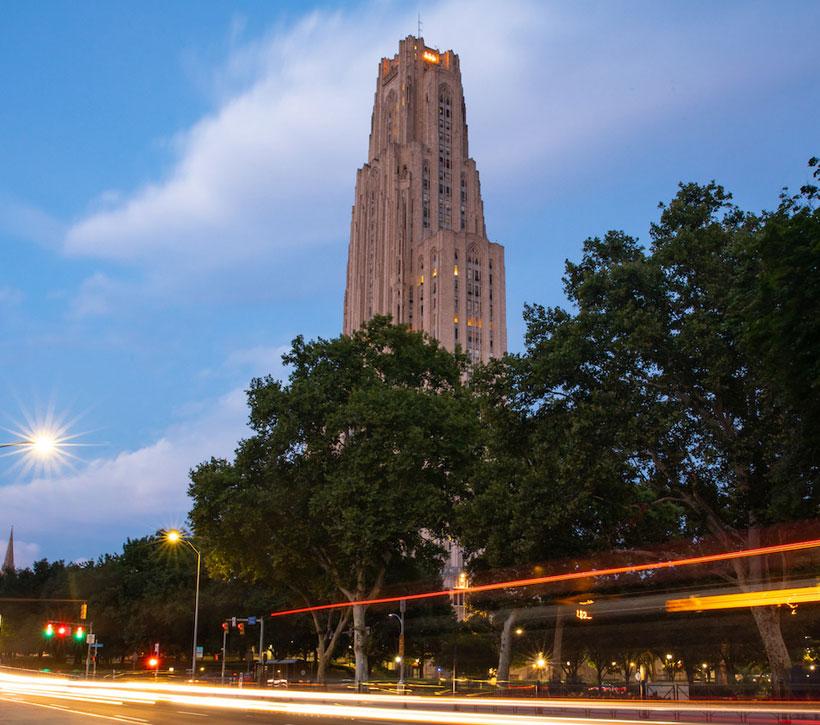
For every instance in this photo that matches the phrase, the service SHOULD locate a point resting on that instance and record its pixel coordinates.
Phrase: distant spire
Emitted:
(8, 562)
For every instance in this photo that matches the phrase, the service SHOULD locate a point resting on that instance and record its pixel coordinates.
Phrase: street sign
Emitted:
(233, 621)
(251, 621)
(156, 648)
(90, 638)
(97, 645)
(200, 652)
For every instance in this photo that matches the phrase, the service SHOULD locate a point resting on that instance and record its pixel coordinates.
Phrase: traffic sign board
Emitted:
(251, 620)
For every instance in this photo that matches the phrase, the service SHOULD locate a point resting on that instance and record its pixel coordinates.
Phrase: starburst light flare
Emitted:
(43, 444)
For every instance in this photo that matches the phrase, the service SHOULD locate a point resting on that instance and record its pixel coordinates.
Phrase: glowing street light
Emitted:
(43, 444)
(174, 536)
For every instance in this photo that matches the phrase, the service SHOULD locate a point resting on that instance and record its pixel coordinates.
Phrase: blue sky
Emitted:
(176, 181)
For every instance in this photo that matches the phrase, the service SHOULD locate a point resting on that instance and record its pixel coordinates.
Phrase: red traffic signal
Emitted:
(241, 627)
(153, 662)
(63, 630)
(224, 626)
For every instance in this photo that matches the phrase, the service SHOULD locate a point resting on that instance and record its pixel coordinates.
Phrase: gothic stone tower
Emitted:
(418, 246)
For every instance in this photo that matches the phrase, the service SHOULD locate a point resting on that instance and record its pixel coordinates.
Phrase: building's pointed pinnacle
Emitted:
(8, 562)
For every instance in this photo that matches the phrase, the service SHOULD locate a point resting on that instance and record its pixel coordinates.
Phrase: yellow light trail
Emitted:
(761, 598)
(406, 708)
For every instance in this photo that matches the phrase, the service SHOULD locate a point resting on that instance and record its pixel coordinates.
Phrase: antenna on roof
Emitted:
(418, 32)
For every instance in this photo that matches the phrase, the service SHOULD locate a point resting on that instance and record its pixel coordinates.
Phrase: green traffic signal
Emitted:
(48, 632)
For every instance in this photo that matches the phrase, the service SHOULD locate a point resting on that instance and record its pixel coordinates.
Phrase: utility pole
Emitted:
(224, 650)
(261, 650)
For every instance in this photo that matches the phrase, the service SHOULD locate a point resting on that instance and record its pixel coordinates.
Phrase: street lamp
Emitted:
(43, 448)
(173, 536)
(400, 658)
(42, 444)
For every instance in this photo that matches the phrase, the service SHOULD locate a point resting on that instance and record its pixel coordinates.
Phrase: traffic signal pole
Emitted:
(224, 652)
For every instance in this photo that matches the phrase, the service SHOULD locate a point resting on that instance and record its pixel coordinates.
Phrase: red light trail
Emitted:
(568, 576)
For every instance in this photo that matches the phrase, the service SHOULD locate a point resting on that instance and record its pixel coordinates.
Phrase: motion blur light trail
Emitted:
(394, 708)
(761, 598)
(215, 698)
(568, 576)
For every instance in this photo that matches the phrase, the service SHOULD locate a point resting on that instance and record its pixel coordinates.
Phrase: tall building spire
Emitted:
(8, 562)
(418, 245)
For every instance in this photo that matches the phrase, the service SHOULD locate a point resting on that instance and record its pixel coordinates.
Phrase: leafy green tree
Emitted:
(552, 483)
(658, 352)
(353, 467)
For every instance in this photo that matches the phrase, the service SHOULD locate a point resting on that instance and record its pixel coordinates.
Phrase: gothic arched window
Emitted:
(445, 175)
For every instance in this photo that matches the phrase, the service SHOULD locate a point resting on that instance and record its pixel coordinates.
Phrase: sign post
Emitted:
(90, 640)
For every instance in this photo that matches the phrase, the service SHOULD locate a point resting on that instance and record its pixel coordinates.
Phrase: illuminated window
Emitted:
(474, 321)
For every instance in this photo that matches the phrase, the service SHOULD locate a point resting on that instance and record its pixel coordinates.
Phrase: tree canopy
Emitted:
(353, 467)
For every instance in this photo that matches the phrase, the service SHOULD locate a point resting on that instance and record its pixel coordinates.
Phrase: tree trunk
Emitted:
(505, 648)
(767, 620)
(557, 645)
(360, 643)
(326, 641)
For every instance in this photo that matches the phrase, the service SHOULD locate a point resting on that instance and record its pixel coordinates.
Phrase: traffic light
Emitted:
(63, 630)
(48, 632)
(79, 634)
(241, 627)
(84, 611)
(224, 626)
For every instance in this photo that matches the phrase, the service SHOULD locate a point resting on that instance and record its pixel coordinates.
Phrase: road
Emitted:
(30, 698)
(30, 710)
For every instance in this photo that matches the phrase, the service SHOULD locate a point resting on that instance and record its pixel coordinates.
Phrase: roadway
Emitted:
(32, 710)
(28, 698)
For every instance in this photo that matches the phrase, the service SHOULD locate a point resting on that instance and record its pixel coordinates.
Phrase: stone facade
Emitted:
(418, 245)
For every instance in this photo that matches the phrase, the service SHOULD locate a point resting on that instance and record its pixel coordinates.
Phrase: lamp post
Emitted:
(42, 444)
(174, 537)
(400, 617)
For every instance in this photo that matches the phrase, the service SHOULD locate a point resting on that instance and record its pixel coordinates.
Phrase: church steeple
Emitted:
(8, 562)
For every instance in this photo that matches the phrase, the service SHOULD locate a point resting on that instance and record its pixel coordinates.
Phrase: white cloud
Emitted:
(93, 509)
(268, 175)
(25, 554)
